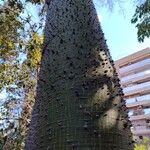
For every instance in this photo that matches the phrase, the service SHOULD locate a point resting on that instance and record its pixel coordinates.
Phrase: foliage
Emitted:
(20, 44)
(140, 147)
(143, 144)
(142, 20)
(10, 22)
(25, 82)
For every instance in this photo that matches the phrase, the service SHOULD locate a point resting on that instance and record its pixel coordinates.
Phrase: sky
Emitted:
(120, 34)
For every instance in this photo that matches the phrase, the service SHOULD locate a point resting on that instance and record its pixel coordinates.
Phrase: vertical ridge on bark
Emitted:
(79, 103)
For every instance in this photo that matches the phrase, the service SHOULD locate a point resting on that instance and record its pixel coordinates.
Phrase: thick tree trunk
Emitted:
(79, 102)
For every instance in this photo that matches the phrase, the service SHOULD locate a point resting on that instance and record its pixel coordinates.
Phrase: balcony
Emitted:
(135, 68)
(140, 117)
(137, 89)
(134, 78)
(140, 55)
(142, 131)
(138, 98)
(136, 104)
(138, 101)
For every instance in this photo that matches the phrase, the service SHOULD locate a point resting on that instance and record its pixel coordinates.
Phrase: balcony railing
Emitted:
(139, 77)
(137, 88)
(141, 127)
(141, 103)
(140, 117)
(138, 99)
(136, 104)
(141, 131)
(135, 68)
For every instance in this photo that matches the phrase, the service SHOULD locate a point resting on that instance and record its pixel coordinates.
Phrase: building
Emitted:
(134, 74)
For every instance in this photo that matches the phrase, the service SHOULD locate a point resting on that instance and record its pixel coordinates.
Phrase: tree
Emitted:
(26, 82)
(9, 51)
(79, 103)
(18, 36)
(142, 20)
(142, 143)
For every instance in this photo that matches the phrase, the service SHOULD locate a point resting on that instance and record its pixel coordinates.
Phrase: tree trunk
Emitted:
(79, 103)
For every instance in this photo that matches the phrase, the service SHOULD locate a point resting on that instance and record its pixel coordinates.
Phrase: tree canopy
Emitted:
(20, 52)
(142, 20)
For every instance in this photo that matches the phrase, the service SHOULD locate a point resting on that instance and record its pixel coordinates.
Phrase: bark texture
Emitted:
(79, 103)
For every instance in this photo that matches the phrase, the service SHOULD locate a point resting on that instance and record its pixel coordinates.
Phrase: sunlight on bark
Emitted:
(109, 121)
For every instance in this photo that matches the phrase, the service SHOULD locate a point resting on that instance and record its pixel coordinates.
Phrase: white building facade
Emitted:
(134, 74)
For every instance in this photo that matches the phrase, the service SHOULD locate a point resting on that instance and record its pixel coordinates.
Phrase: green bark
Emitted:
(79, 103)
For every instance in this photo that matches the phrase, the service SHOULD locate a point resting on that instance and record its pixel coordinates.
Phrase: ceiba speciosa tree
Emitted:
(79, 102)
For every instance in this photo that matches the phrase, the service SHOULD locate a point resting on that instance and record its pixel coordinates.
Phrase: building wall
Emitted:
(134, 74)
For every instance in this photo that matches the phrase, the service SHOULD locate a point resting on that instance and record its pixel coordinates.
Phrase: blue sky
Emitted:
(120, 34)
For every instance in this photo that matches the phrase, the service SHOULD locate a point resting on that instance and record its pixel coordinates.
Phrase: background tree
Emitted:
(19, 38)
(142, 20)
(142, 143)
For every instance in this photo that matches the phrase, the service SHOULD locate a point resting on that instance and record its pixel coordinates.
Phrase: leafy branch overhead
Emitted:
(142, 20)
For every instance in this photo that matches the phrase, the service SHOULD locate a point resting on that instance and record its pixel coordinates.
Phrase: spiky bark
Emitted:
(79, 102)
